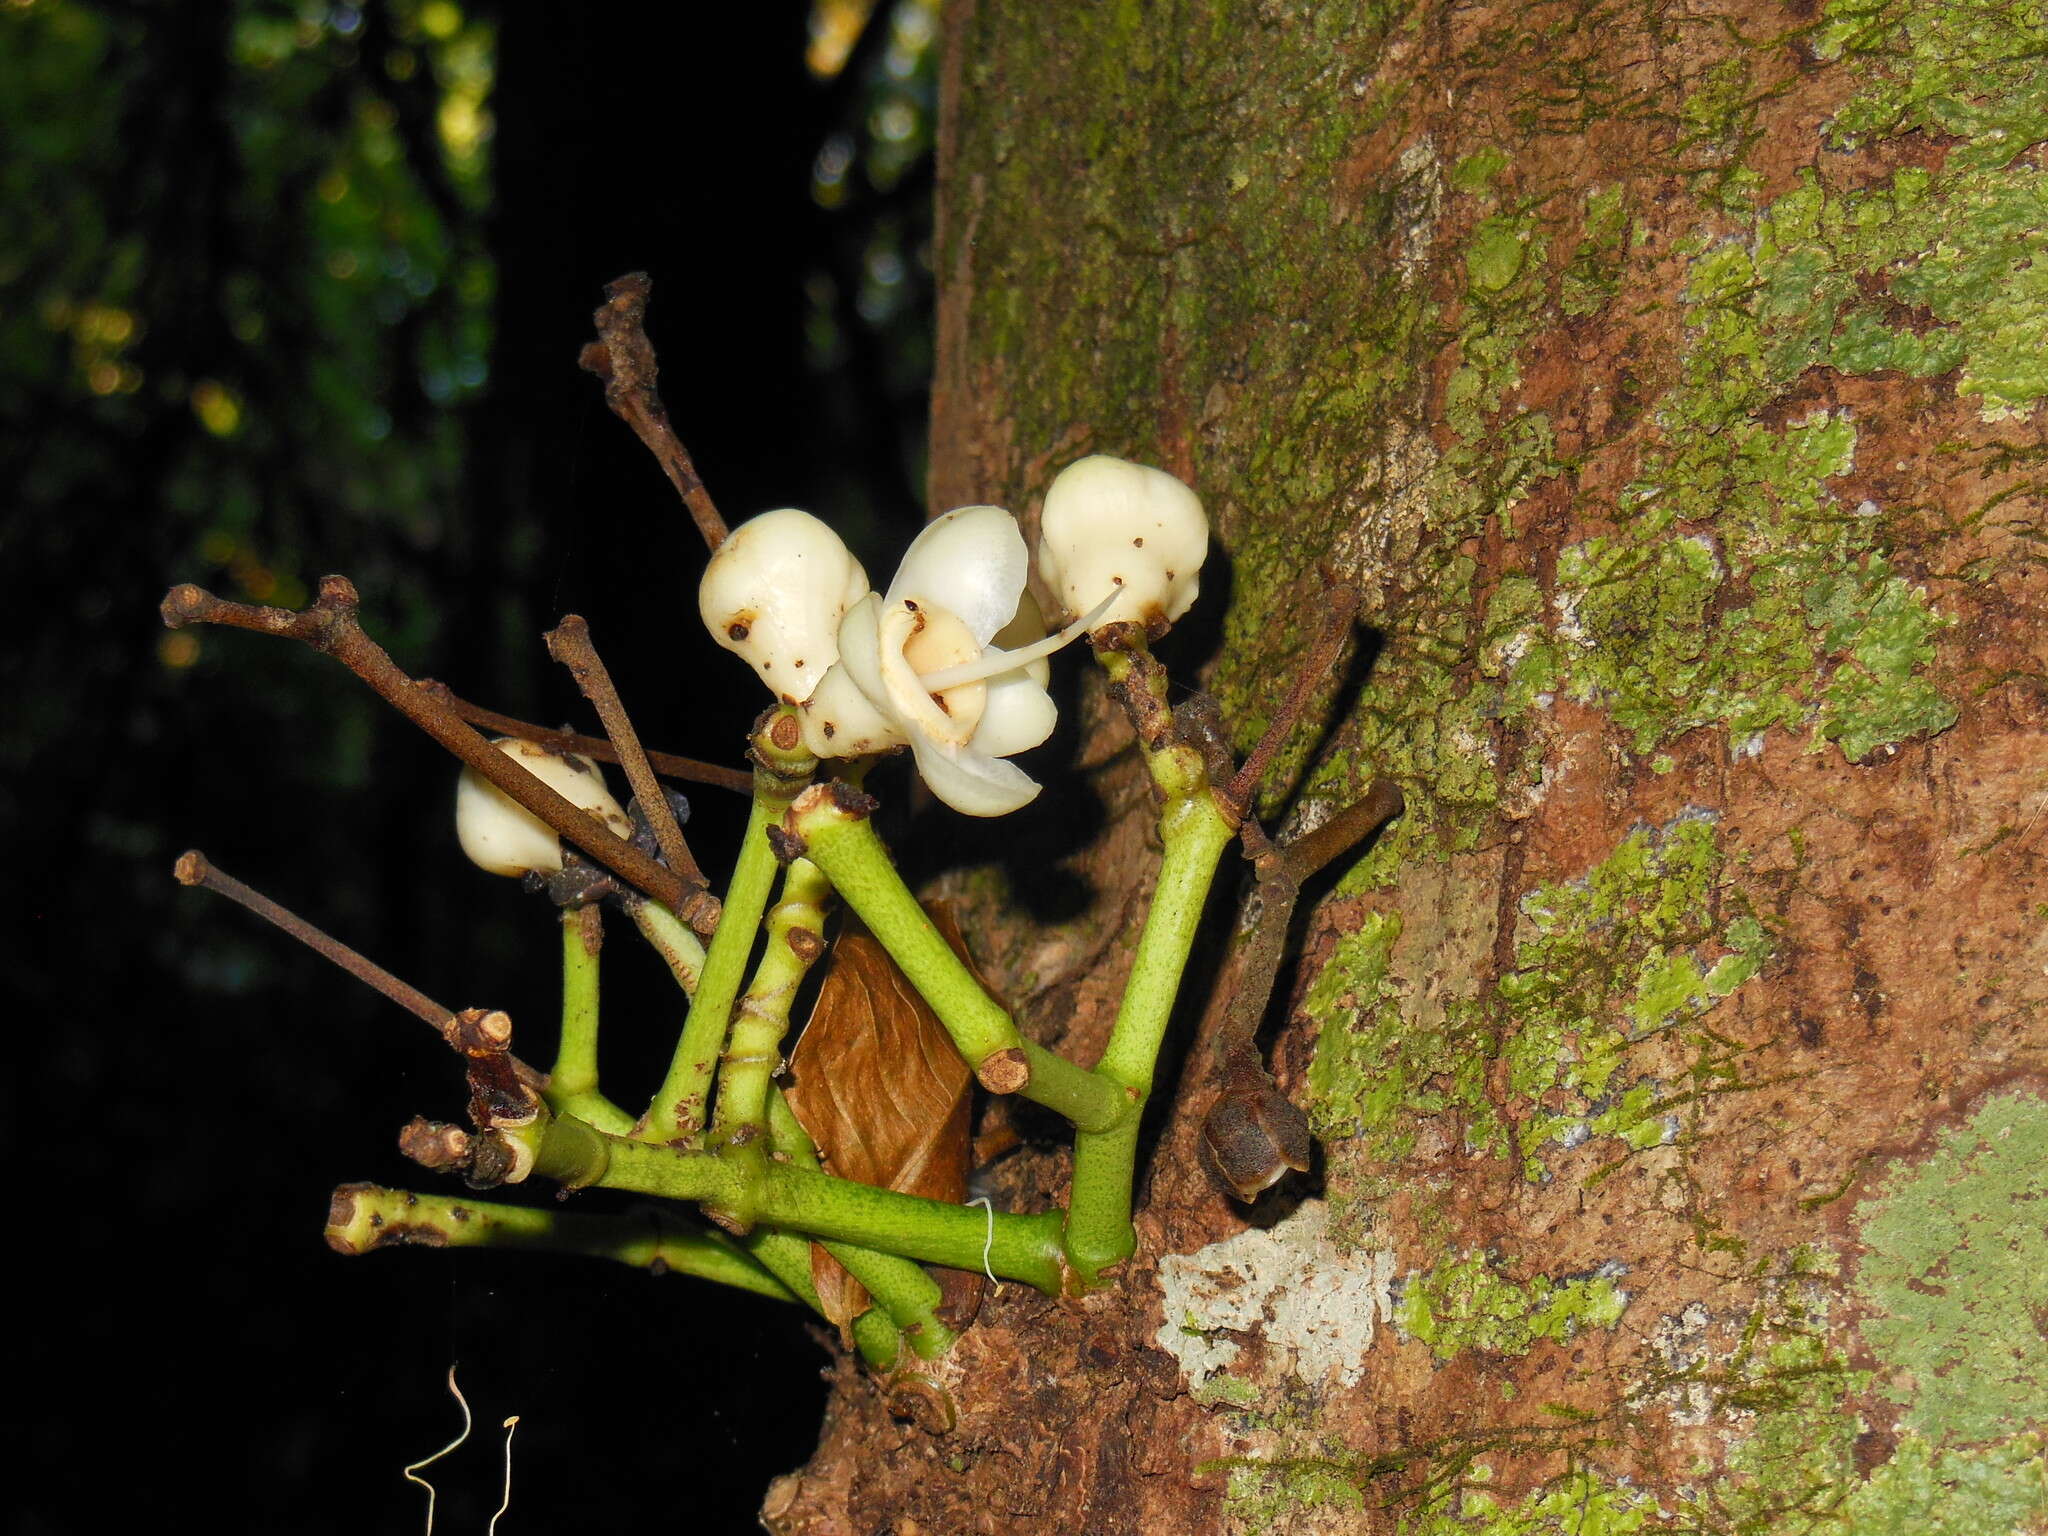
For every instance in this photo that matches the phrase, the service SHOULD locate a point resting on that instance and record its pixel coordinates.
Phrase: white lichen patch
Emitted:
(1679, 1341)
(1418, 205)
(1315, 1306)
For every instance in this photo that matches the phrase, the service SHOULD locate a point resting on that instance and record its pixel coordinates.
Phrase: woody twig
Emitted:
(330, 625)
(668, 764)
(624, 358)
(569, 643)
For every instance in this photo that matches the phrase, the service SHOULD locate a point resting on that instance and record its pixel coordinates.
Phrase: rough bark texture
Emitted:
(1668, 379)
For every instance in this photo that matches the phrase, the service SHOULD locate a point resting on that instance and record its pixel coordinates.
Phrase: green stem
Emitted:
(839, 838)
(900, 1288)
(796, 938)
(575, 1068)
(572, 1083)
(788, 1258)
(679, 1107)
(1195, 834)
(365, 1217)
(1099, 1231)
(1195, 831)
(1025, 1248)
(680, 949)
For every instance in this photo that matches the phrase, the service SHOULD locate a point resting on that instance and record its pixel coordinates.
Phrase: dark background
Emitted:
(292, 288)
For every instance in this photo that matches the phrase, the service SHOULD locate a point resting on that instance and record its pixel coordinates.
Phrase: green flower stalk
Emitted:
(681, 1104)
(830, 824)
(753, 1053)
(800, 1200)
(1195, 832)
(362, 1218)
(680, 949)
(900, 1288)
(572, 1084)
(787, 1258)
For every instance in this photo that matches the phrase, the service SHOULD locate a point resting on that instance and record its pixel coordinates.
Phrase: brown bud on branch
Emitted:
(1254, 1133)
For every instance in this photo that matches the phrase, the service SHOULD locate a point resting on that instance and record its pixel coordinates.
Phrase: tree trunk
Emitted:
(1667, 382)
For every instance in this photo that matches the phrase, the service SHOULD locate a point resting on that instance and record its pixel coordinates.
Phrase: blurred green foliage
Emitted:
(243, 245)
(869, 298)
(244, 297)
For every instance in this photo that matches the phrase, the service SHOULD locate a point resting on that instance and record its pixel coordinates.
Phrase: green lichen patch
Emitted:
(1956, 1246)
(1788, 1473)
(1783, 616)
(2000, 1490)
(1469, 1303)
(1357, 1076)
(1224, 1390)
(1578, 1504)
(1884, 633)
(1504, 302)
(1380, 1072)
(1593, 277)
(1638, 944)
(1634, 612)
(1964, 69)
(1922, 272)
(1475, 173)
(1647, 940)
(1516, 651)
(1261, 1492)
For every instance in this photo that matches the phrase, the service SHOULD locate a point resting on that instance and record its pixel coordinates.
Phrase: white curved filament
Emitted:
(428, 1461)
(993, 663)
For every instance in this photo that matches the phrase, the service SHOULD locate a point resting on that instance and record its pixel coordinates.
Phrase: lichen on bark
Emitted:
(1670, 384)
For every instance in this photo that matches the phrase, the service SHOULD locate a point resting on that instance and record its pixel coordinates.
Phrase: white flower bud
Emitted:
(1109, 525)
(502, 836)
(774, 594)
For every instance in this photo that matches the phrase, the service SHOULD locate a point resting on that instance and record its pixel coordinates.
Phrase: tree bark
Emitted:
(1667, 382)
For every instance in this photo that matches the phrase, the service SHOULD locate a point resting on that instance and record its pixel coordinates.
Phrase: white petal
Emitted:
(860, 649)
(1112, 526)
(840, 721)
(971, 562)
(774, 593)
(1018, 716)
(972, 782)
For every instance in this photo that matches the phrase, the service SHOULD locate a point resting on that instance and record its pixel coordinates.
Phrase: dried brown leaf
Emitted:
(876, 1081)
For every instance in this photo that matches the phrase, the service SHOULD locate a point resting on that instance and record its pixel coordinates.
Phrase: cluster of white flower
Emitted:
(950, 661)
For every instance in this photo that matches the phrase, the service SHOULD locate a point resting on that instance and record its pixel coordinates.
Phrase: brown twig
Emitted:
(482, 1035)
(1254, 1133)
(193, 868)
(1310, 852)
(1322, 652)
(624, 358)
(330, 626)
(1282, 870)
(689, 769)
(569, 643)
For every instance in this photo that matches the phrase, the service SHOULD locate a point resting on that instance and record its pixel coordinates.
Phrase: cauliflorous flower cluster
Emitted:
(950, 661)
